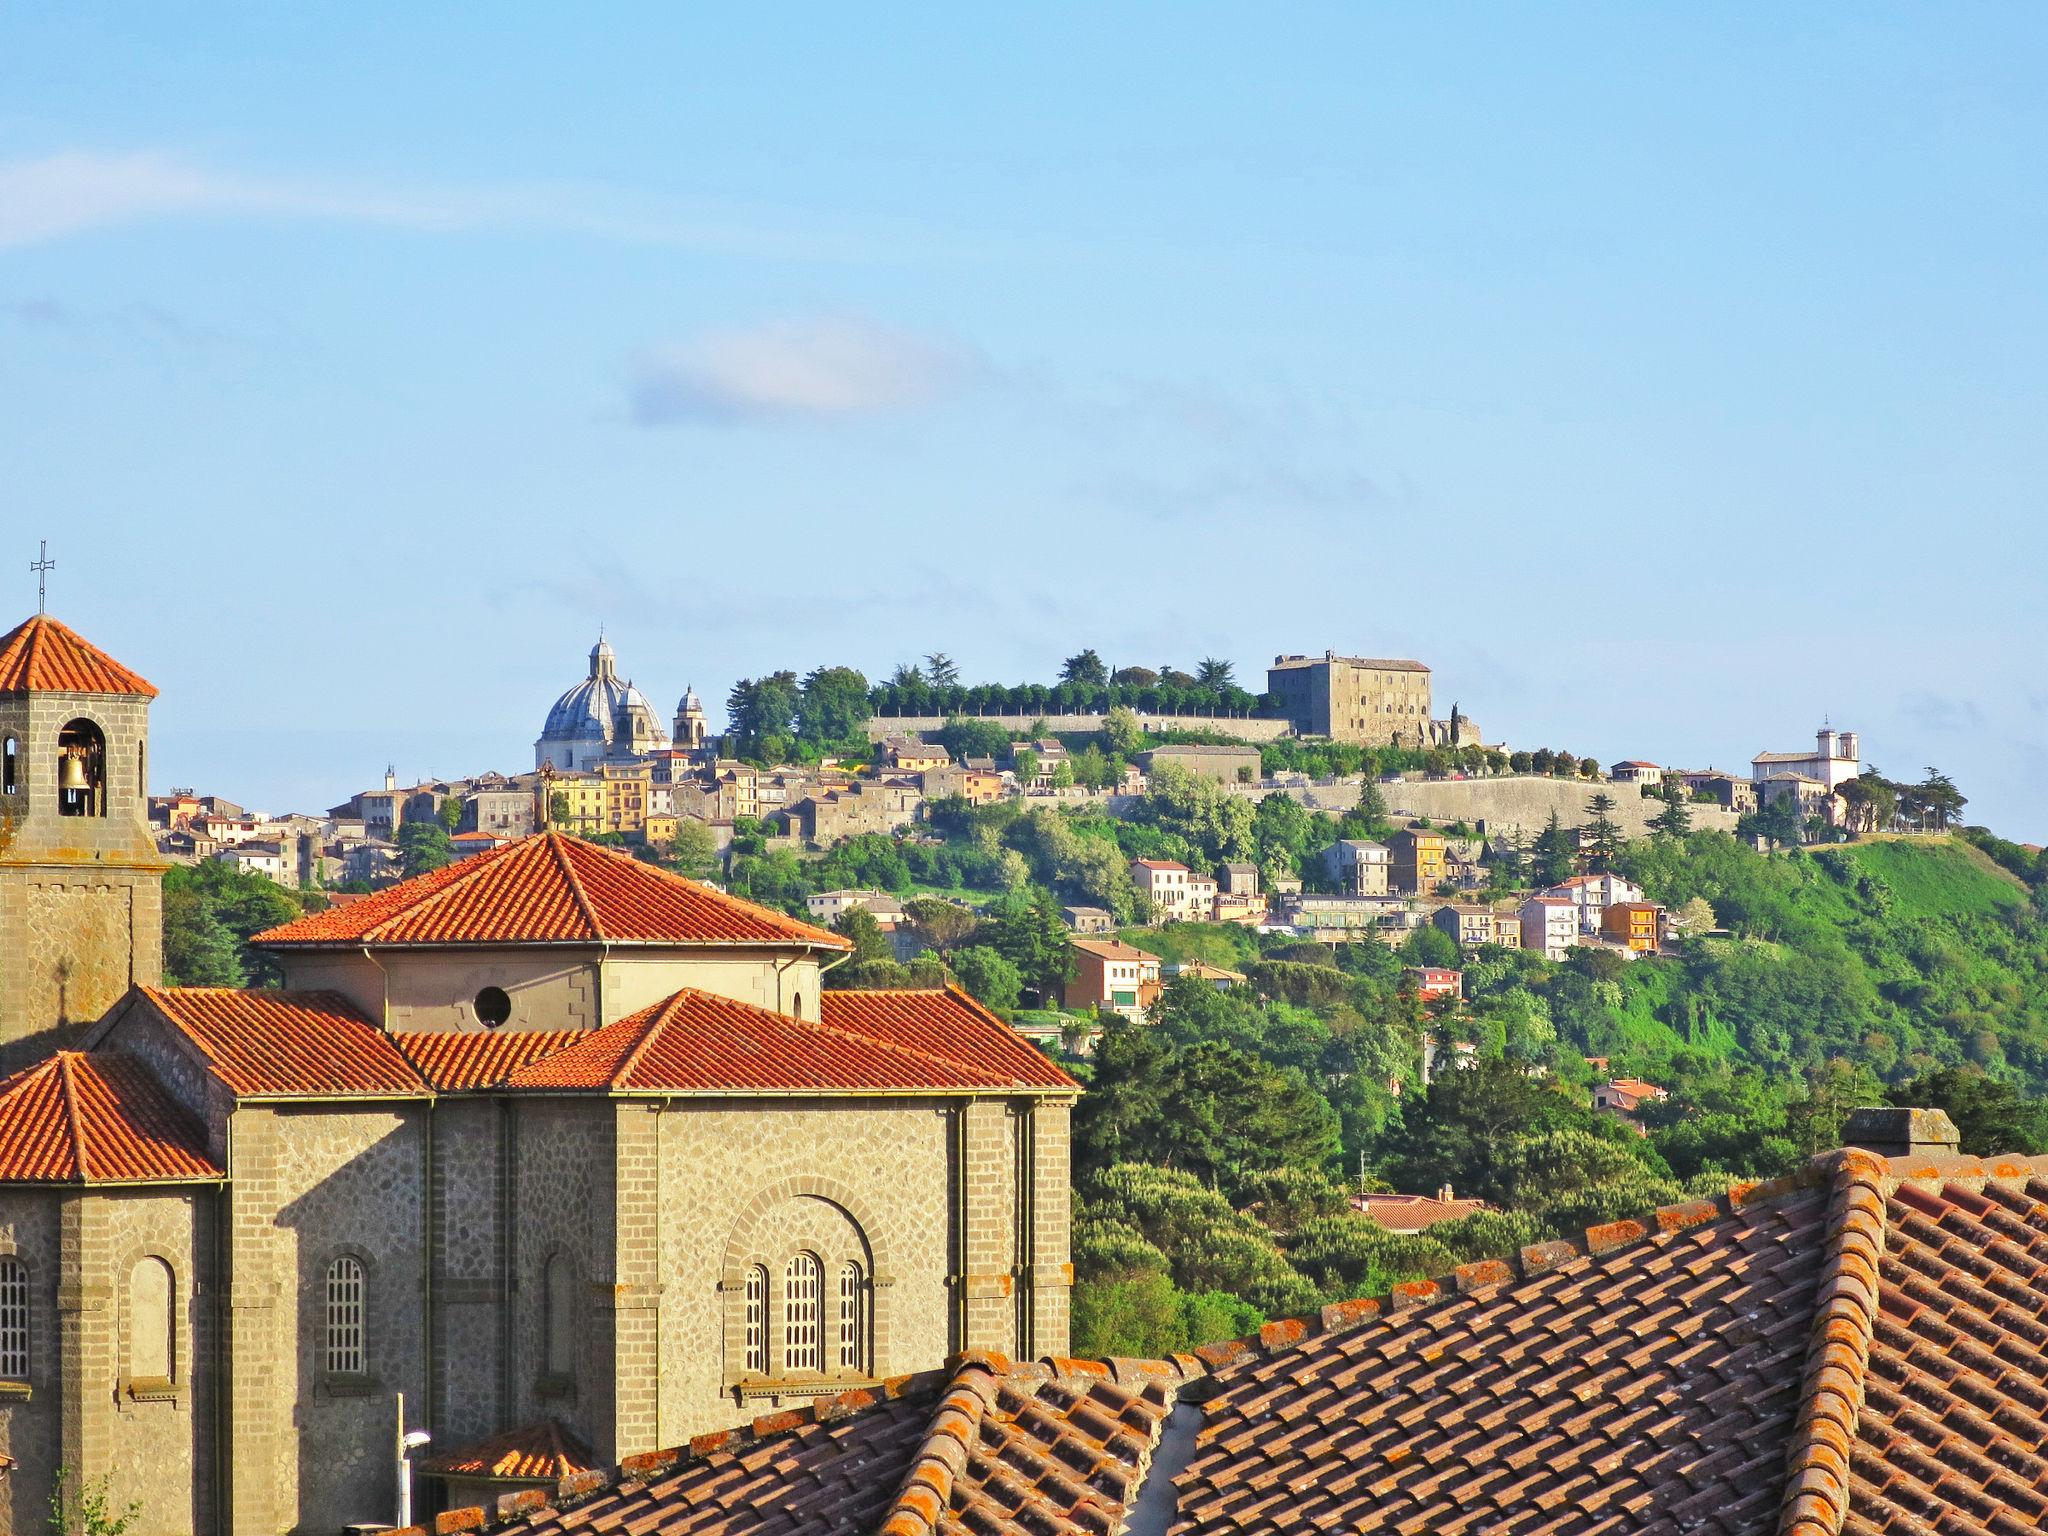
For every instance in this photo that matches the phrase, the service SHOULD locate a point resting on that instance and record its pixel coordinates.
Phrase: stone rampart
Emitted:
(1236, 727)
(1520, 803)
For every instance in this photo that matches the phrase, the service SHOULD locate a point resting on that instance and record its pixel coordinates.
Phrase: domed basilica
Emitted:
(603, 716)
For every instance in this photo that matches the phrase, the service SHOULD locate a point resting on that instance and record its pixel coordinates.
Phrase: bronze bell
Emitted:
(71, 773)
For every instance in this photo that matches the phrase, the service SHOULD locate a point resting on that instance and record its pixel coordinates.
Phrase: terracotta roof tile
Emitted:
(550, 889)
(40, 655)
(91, 1118)
(950, 1024)
(288, 1044)
(544, 1452)
(700, 1042)
(455, 1060)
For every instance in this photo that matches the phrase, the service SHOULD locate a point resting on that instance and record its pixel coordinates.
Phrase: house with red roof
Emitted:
(576, 1156)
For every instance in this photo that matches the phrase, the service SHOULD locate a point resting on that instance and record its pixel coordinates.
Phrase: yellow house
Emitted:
(576, 803)
(1420, 860)
(626, 790)
(658, 829)
(1633, 923)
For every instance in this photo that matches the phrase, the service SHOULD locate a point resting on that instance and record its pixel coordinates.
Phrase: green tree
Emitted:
(693, 851)
(989, 974)
(941, 670)
(1430, 945)
(1675, 820)
(1087, 668)
(1215, 675)
(450, 813)
(1025, 766)
(199, 897)
(832, 705)
(1554, 855)
(1603, 833)
(199, 950)
(1028, 932)
(1123, 731)
(944, 925)
(965, 738)
(869, 942)
(761, 715)
(1942, 800)
(423, 847)
(1993, 1117)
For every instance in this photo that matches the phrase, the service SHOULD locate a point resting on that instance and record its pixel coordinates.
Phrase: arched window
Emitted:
(757, 1321)
(13, 1320)
(852, 1296)
(345, 1306)
(801, 1282)
(559, 1302)
(10, 766)
(81, 770)
(152, 1321)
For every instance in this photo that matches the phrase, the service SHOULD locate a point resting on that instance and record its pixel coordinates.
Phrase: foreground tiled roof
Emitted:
(40, 655)
(542, 1452)
(286, 1044)
(76, 1118)
(1859, 1348)
(700, 1042)
(454, 1060)
(950, 1024)
(550, 889)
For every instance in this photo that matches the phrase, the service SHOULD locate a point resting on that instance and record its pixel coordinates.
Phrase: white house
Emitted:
(1592, 895)
(1550, 925)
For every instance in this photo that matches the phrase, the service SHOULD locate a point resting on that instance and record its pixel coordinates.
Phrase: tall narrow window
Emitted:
(152, 1324)
(345, 1347)
(10, 766)
(13, 1320)
(801, 1282)
(757, 1321)
(851, 1295)
(560, 1303)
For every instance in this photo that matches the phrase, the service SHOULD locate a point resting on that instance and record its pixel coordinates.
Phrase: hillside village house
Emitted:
(1550, 925)
(549, 1141)
(1419, 860)
(1591, 895)
(1175, 892)
(1089, 919)
(1473, 925)
(1636, 771)
(1726, 790)
(1637, 926)
(1222, 764)
(1112, 976)
(1358, 867)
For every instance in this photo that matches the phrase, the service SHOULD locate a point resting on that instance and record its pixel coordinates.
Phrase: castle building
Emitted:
(81, 882)
(555, 1145)
(602, 716)
(1361, 700)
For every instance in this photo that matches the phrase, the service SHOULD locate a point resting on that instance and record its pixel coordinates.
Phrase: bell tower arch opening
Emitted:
(81, 769)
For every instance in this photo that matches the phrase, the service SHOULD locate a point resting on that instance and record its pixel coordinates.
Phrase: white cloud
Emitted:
(76, 191)
(820, 366)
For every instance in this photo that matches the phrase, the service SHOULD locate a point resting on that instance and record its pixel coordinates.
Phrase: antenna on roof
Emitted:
(42, 565)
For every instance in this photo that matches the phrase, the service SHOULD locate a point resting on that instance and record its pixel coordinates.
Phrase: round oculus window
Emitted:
(492, 1006)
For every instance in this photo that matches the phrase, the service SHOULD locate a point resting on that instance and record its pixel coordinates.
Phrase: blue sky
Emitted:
(1668, 377)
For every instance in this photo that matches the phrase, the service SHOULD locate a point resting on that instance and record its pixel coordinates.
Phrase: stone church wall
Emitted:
(30, 1425)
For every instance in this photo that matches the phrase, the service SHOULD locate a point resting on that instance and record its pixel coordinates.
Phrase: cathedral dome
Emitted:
(586, 711)
(601, 713)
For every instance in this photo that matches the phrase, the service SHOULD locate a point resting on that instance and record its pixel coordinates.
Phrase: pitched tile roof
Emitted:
(286, 1044)
(1858, 1348)
(454, 1060)
(985, 1447)
(701, 1042)
(544, 1452)
(1413, 1213)
(948, 1024)
(1111, 949)
(550, 888)
(40, 655)
(79, 1118)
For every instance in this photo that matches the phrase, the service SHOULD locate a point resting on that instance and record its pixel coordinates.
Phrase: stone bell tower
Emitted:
(81, 882)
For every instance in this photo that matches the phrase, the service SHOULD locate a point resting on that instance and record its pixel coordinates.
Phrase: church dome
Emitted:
(599, 713)
(691, 704)
(586, 711)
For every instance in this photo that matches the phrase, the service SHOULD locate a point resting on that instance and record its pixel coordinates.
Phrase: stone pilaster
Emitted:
(989, 1249)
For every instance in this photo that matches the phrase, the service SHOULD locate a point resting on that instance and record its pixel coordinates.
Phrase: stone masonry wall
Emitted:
(31, 1425)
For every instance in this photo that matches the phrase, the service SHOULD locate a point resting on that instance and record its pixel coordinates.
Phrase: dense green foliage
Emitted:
(210, 910)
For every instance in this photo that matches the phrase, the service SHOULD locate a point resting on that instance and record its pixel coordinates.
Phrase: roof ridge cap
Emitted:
(465, 870)
(65, 1068)
(557, 847)
(659, 1018)
(1816, 1496)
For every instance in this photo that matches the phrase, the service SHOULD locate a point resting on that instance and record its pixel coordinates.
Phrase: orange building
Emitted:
(1636, 924)
(1420, 860)
(1112, 975)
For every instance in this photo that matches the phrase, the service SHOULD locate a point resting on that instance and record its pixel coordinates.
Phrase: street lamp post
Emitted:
(408, 1442)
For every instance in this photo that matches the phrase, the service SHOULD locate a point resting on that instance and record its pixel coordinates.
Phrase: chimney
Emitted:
(1902, 1132)
(1445, 1195)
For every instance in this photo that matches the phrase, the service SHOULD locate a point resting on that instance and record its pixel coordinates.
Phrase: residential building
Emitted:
(502, 812)
(1635, 925)
(976, 786)
(1358, 867)
(1623, 1098)
(901, 754)
(269, 860)
(1089, 919)
(575, 802)
(1550, 925)
(1419, 860)
(1726, 790)
(1812, 797)
(1470, 925)
(626, 783)
(1168, 889)
(1336, 919)
(1591, 895)
(1222, 764)
(1364, 700)
(1112, 976)
(1238, 879)
(1415, 1213)
(1435, 981)
(868, 805)
(826, 907)
(464, 844)
(1636, 771)
(370, 862)
(1222, 978)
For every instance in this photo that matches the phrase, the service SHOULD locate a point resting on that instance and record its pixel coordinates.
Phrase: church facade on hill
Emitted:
(580, 1158)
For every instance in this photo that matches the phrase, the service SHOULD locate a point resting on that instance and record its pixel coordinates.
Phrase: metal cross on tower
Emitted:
(42, 565)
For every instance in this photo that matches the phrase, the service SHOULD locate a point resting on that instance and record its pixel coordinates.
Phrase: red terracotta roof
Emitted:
(949, 1024)
(986, 1448)
(1412, 1213)
(544, 1452)
(40, 655)
(550, 889)
(79, 1118)
(287, 1044)
(454, 1060)
(1110, 949)
(700, 1042)
(1859, 1348)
